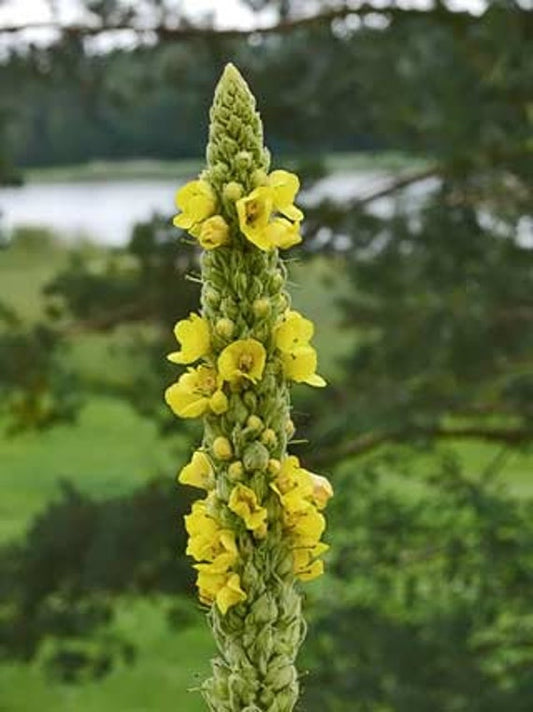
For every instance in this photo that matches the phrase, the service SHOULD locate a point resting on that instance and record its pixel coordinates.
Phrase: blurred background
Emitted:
(411, 126)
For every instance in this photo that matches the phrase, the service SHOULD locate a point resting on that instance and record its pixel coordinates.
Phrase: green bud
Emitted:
(243, 160)
(259, 177)
(254, 422)
(222, 449)
(269, 438)
(261, 308)
(255, 457)
(236, 471)
(225, 328)
(233, 191)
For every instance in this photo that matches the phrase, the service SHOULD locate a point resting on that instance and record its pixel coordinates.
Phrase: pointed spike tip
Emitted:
(231, 72)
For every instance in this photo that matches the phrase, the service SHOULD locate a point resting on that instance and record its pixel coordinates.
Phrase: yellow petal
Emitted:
(198, 472)
(189, 397)
(315, 570)
(197, 201)
(193, 335)
(285, 186)
(322, 490)
(282, 233)
(230, 594)
(293, 331)
(254, 213)
(243, 501)
(300, 364)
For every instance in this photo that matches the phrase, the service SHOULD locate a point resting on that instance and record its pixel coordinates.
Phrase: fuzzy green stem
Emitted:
(258, 640)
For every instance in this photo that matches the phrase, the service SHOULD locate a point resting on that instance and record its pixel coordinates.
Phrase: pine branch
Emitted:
(368, 442)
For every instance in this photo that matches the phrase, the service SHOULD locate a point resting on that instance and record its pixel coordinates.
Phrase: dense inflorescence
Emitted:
(258, 529)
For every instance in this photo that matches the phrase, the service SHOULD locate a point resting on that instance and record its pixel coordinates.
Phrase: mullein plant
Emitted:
(256, 532)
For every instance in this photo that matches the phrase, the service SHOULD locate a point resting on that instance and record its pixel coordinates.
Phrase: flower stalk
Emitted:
(257, 530)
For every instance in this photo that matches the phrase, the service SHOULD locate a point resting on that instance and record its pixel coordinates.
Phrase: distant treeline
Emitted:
(61, 106)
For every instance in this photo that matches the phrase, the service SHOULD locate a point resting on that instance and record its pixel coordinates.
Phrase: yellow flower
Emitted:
(190, 396)
(213, 233)
(198, 472)
(203, 533)
(300, 366)
(197, 201)
(284, 186)
(281, 233)
(224, 588)
(305, 564)
(230, 594)
(322, 490)
(242, 359)
(243, 501)
(306, 527)
(207, 541)
(293, 331)
(222, 552)
(267, 217)
(193, 335)
(292, 336)
(254, 213)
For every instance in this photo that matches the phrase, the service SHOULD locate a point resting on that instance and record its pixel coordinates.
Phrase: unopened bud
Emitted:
(259, 177)
(290, 428)
(255, 423)
(261, 307)
(236, 471)
(218, 402)
(277, 281)
(255, 457)
(222, 449)
(269, 438)
(274, 466)
(243, 160)
(233, 191)
(211, 297)
(225, 328)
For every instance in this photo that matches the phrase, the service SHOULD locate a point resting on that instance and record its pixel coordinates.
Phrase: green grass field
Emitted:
(111, 450)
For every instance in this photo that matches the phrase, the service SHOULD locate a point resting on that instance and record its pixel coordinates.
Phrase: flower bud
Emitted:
(255, 423)
(243, 160)
(218, 402)
(233, 191)
(211, 297)
(274, 466)
(259, 177)
(290, 428)
(322, 490)
(255, 457)
(269, 438)
(225, 328)
(236, 471)
(276, 281)
(261, 308)
(222, 449)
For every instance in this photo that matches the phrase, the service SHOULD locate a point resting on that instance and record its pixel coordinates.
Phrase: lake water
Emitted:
(106, 211)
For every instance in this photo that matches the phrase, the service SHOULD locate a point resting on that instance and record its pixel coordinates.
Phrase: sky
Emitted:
(228, 13)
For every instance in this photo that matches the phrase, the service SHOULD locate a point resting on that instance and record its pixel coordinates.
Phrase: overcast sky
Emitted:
(228, 13)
